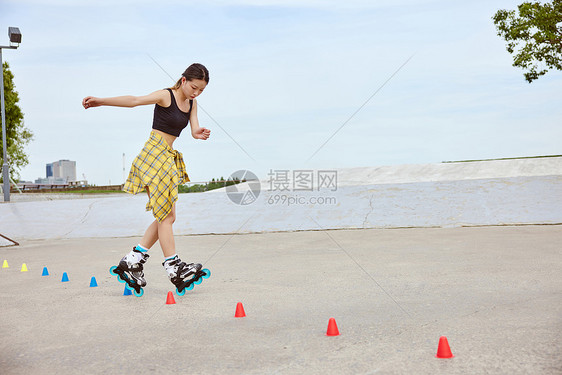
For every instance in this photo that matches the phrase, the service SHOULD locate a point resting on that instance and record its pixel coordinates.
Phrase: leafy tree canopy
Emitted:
(534, 36)
(17, 135)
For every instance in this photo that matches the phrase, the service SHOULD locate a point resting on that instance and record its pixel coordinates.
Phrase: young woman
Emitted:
(159, 169)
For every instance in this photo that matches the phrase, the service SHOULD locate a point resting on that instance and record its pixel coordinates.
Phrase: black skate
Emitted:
(186, 276)
(131, 273)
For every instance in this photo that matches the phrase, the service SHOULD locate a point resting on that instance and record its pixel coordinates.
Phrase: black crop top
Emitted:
(171, 120)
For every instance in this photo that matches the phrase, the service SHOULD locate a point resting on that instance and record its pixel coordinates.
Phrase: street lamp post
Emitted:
(15, 40)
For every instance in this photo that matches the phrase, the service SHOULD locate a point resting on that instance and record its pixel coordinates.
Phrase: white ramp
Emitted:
(439, 195)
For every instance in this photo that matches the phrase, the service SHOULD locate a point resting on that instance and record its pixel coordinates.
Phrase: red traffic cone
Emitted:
(240, 313)
(443, 350)
(170, 299)
(332, 328)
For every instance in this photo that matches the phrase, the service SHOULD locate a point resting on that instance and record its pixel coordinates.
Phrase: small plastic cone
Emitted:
(443, 350)
(332, 328)
(127, 291)
(93, 282)
(45, 272)
(64, 278)
(170, 299)
(5, 265)
(240, 313)
(24, 268)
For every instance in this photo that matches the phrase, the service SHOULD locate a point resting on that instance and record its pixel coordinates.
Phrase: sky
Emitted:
(284, 77)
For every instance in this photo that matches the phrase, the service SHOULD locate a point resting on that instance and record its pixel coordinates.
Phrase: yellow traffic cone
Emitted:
(5, 265)
(24, 268)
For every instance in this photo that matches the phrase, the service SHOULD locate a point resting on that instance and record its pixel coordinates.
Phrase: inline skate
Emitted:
(130, 271)
(185, 276)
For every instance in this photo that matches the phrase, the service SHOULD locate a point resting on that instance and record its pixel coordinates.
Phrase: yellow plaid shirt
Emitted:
(162, 169)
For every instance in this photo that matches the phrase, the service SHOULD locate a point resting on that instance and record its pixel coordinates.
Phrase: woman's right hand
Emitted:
(91, 101)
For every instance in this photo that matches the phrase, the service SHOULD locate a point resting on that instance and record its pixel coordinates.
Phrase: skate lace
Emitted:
(176, 267)
(172, 266)
(144, 256)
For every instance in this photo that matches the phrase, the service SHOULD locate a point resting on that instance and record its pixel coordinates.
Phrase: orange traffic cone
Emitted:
(240, 313)
(332, 328)
(170, 299)
(443, 350)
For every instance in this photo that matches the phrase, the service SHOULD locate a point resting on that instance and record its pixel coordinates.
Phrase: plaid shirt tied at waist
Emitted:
(160, 168)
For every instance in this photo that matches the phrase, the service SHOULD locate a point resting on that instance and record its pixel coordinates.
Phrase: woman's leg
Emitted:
(161, 231)
(151, 235)
(166, 234)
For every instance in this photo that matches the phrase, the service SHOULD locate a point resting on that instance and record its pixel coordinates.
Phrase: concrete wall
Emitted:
(385, 197)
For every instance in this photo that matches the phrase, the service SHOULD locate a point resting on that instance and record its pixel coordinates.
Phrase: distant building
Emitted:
(51, 181)
(62, 169)
(62, 172)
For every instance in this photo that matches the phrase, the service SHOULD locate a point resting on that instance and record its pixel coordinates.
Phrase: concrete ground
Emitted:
(495, 292)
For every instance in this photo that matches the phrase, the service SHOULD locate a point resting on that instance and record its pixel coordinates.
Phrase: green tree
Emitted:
(535, 31)
(17, 135)
(213, 184)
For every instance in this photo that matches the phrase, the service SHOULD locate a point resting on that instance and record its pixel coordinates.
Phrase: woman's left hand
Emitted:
(201, 133)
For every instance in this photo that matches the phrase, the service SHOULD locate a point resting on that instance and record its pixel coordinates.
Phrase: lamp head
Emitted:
(14, 34)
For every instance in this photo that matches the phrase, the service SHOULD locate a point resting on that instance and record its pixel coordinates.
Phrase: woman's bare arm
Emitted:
(157, 97)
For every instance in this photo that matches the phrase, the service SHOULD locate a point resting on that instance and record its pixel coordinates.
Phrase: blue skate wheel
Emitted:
(198, 281)
(207, 273)
(139, 294)
(121, 280)
(113, 269)
(180, 293)
(189, 287)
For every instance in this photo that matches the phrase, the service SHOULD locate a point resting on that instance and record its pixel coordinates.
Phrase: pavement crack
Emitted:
(87, 212)
(362, 269)
(485, 309)
(83, 219)
(370, 211)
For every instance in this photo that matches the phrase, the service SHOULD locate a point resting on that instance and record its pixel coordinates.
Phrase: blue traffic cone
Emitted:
(45, 272)
(127, 291)
(93, 283)
(64, 278)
